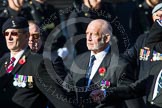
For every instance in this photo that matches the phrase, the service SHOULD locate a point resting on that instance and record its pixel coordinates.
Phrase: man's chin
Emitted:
(93, 49)
(10, 48)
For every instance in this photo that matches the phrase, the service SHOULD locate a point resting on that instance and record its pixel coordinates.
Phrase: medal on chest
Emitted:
(23, 81)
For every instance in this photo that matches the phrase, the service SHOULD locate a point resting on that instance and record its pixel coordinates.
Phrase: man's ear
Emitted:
(107, 38)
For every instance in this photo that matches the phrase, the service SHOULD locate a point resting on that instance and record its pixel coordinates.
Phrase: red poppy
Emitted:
(102, 71)
(22, 60)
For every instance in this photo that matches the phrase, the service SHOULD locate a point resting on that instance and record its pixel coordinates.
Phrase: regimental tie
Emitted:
(10, 65)
(92, 59)
(159, 83)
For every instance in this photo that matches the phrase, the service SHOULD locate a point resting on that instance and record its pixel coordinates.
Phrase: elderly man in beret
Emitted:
(19, 84)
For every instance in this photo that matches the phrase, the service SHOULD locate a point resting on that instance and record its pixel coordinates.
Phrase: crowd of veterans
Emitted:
(93, 54)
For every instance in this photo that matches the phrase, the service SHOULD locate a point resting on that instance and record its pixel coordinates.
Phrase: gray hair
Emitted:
(106, 28)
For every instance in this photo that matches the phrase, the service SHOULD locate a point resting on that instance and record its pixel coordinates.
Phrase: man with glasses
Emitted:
(19, 69)
(13, 8)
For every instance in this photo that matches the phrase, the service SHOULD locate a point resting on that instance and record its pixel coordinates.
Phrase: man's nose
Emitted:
(10, 37)
(31, 38)
(89, 36)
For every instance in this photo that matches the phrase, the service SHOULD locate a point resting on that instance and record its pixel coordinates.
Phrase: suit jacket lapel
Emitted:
(154, 72)
(155, 78)
(3, 75)
(79, 69)
(5, 61)
(159, 94)
(158, 98)
(155, 69)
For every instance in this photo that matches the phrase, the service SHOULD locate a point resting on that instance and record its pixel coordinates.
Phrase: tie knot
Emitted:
(13, 59)
(93, 58)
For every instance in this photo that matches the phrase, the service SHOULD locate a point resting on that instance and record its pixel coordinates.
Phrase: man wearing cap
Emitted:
(13, 9)
(19, 78)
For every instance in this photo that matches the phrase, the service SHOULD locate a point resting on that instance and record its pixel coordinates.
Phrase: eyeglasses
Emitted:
(12, 33)
(35, 35)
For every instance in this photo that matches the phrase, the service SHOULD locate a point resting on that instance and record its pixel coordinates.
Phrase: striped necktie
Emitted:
(92, 59)
(159, 83)
(10, 65)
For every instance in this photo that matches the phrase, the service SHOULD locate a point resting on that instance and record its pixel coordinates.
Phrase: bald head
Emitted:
(103, 25)
(33, 27)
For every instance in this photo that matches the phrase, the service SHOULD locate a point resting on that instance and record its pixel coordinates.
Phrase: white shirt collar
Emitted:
(102, 53)
(17, 56)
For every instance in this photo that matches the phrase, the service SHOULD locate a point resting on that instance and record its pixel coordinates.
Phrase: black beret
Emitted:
(15, 23)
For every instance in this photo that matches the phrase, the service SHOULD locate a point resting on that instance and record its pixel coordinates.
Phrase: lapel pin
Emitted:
(102, 71)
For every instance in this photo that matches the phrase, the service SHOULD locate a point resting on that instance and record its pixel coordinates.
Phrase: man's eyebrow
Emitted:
(96, 33)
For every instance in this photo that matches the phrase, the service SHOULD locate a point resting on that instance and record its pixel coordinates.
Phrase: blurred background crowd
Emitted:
(129, 18)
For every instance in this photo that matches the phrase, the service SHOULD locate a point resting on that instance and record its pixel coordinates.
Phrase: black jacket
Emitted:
(25, 97)
(144, 86)
(77, 81)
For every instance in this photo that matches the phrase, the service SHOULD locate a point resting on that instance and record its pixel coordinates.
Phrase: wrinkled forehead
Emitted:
(94, 28)
(33, 28)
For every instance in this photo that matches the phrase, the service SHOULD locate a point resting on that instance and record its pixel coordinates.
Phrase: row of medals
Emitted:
(144, 54)
(105, 84)
(23, 80)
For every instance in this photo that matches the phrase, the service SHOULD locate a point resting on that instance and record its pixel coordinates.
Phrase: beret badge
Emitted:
(13, 23)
